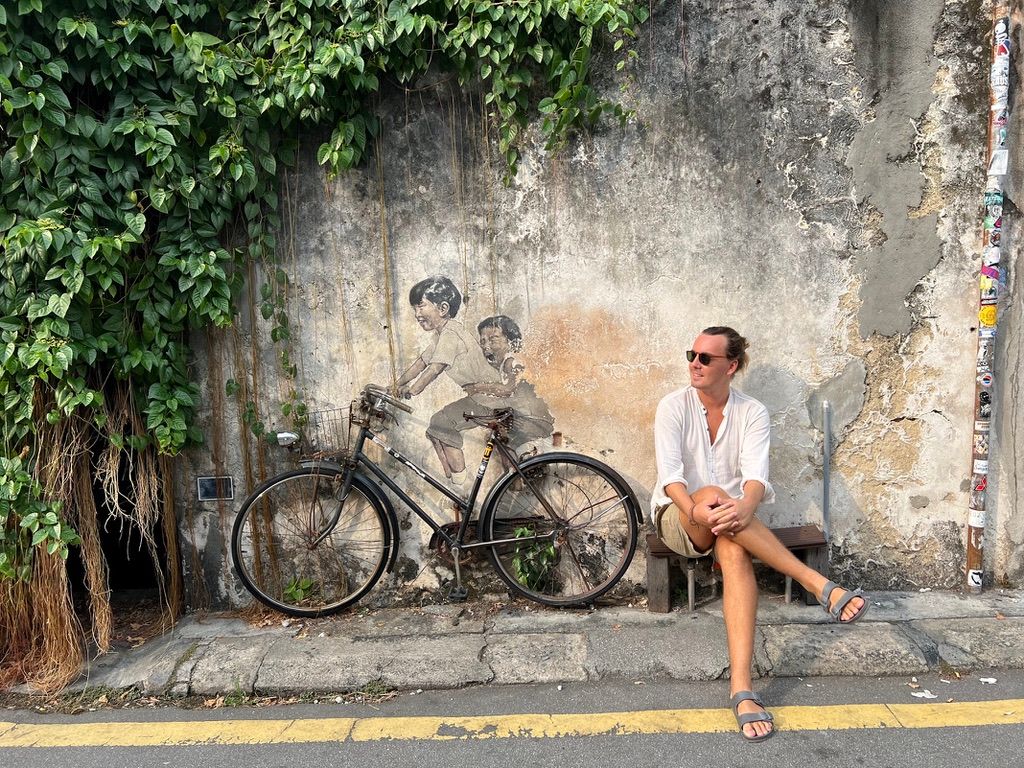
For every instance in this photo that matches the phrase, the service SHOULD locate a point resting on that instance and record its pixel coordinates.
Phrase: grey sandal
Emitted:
(751, 717)
(836, 611)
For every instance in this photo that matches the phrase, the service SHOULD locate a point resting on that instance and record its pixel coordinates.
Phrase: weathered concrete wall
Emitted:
(809, 173)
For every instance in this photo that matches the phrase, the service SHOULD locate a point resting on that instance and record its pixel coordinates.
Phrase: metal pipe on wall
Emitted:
(826, 470)
(991, 283)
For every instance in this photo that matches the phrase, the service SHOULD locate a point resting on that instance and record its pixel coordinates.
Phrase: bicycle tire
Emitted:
(276, 553)
(594, 531)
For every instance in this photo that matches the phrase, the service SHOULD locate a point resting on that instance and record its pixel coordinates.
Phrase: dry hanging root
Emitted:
(44, 639)
(44, 636)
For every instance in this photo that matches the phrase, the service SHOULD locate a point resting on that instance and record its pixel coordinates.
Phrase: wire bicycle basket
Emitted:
(328, 433)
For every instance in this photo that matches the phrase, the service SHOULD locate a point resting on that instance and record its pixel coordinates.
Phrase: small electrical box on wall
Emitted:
(215, 488)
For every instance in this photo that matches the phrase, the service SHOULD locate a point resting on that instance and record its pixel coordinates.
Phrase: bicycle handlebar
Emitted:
(374, 391)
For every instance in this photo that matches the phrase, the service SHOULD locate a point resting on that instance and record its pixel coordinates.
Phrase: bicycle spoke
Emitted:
(300, 549)
(594, 527)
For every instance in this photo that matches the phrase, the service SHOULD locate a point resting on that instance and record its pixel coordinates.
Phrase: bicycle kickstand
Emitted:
(458, 592)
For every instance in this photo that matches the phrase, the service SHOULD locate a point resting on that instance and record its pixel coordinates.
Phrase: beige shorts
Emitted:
(671, 531)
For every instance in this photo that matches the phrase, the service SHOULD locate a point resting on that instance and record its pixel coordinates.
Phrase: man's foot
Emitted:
(843, 605)
(754, 720)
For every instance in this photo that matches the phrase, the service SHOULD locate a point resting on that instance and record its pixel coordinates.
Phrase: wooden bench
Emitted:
(806, 541)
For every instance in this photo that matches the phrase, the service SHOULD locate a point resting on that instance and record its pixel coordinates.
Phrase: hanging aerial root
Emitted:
(43, 635)
(97, 574)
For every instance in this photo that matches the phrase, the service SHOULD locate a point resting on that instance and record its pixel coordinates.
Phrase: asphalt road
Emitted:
(435, 729)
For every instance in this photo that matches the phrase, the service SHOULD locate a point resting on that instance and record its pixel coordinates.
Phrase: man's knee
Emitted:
(728, 552)
(708, 494)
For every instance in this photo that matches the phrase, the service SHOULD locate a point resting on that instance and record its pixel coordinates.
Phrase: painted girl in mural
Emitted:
(500, 340)
(452, 350)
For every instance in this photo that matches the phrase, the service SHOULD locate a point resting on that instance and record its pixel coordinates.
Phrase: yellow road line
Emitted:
(657, 721)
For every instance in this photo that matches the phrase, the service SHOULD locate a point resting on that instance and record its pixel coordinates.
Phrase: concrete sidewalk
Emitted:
(449, 646)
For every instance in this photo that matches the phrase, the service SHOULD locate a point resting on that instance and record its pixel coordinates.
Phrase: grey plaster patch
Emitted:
(536, 658)
(893, 49)
(845, 394)
(978, 642)
(861, 649)
(341, 664)
(919, 502)
(227, 665)
(150, 668)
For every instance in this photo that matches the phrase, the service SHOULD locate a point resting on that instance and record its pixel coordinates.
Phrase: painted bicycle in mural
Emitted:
(559, 528)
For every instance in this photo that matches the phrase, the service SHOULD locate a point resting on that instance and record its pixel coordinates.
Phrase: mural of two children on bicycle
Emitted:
(484, 364)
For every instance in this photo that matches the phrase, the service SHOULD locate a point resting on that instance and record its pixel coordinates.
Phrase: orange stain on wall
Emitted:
(598, 374)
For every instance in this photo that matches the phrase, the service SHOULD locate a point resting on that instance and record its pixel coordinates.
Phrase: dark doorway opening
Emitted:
(137, 604)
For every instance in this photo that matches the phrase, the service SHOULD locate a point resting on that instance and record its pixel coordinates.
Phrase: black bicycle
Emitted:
(559, 528)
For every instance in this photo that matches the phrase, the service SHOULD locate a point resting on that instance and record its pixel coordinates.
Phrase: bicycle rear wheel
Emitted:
(300, 549)
(566, 527)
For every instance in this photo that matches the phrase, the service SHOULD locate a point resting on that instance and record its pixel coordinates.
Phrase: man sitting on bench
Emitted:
(711, 443)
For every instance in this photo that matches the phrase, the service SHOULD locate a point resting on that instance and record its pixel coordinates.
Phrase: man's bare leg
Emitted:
(739, 601)
(735, 553)
(739, 608)
(758, 540)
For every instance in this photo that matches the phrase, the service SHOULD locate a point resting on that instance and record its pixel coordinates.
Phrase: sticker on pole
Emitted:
(974, 579)
(1000, 162)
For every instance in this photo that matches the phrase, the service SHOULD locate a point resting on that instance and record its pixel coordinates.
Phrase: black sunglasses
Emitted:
(704, 357)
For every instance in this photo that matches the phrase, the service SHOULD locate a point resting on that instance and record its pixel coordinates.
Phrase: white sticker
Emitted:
(1000, 162)
(982, 426)
(981, 466)
(974, 578)
(976, 518)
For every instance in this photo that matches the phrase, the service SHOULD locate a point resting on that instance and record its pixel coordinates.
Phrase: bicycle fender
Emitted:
(370, 488)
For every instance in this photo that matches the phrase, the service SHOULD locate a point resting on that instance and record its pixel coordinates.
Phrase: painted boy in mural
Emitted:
(500, 340)
(711, 443)
(454, 351)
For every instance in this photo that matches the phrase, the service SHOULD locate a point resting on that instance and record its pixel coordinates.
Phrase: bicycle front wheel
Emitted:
(300, 548)
(565, 529)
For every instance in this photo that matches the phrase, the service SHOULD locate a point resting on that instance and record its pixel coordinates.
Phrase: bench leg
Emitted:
(659, 595)
(817, 559)
(691, 584)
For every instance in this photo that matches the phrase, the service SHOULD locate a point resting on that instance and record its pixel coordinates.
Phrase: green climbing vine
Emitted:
(140, 143)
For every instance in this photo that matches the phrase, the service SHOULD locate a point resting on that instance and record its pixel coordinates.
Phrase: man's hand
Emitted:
(404, 392)
(703, 514)
(728, 517)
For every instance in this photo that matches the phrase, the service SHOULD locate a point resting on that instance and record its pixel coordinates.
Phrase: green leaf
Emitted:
(159, 198)
(136, 223)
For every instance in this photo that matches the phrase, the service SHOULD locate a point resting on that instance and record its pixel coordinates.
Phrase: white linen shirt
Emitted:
(684, 453)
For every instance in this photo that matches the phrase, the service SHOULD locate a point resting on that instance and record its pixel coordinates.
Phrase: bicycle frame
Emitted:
(456, 543)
